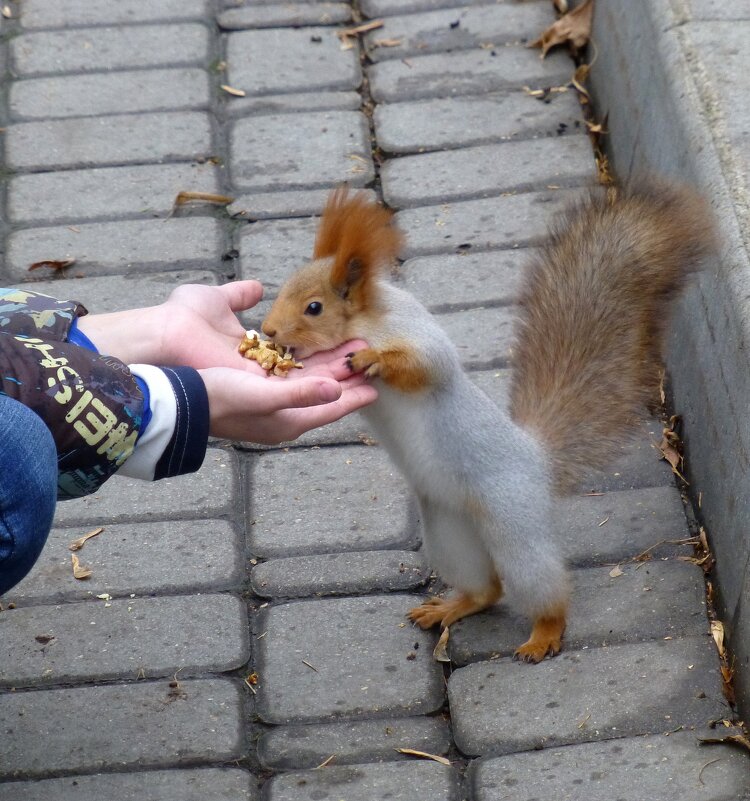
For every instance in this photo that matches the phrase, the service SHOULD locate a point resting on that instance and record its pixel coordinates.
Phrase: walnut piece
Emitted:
(271, 357)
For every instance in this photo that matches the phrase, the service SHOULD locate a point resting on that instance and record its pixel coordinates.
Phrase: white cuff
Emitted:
(153, 442)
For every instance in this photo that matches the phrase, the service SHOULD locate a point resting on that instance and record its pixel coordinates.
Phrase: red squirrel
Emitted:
(587, 357)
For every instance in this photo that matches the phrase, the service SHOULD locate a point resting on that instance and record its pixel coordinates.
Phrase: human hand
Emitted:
(195, 327)
(268, 410)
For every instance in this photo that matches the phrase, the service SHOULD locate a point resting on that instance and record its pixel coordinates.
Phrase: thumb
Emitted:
(309, 391)
(242, 295)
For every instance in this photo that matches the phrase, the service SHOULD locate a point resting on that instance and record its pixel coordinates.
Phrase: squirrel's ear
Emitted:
(350, 277)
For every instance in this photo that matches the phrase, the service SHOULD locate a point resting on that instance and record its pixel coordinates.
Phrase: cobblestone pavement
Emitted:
(297, 564)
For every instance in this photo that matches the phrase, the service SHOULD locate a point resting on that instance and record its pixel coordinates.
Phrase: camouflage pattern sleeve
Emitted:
(32, 314)
(91, 403)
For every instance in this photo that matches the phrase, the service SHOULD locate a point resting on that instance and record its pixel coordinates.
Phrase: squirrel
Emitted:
(587, 360)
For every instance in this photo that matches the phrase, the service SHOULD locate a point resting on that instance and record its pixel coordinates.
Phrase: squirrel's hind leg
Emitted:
(454, 549)
(446, 611)
(546, 637)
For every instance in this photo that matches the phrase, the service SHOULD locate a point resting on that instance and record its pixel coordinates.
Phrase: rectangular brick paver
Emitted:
(109, 48)
(600, 693)
(119, 247)
(196, 784)
(131, 638)
(109, 93)
(51, 14)
(120, 726)
(99, 141)
(75, 196)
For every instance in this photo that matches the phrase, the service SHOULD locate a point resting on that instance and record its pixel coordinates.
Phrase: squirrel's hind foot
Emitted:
(545, 639)
(445, 611)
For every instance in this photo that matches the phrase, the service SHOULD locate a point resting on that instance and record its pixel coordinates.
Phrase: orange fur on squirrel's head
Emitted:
(356, 240)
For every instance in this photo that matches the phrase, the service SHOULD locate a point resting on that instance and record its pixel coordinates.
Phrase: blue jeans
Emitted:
(28, 489)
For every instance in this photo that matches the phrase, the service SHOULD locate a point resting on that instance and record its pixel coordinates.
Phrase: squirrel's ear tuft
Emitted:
(359, 235)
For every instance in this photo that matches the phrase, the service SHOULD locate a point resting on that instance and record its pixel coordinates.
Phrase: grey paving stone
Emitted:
(466, 72)
(630, 769)
(491, 26)
(287, 15)
(482, 336)
(120, 292)
(319, 501)
(272, 250)
(637, 520)
(276, 205)
(117, 140)
(205, 494)
(401, 781)
(75, 196)
(445, 283)
(123, 726)
(138, 558)
(352, 741)
(484, 170)
(118, 247)
(649, 602)
(197, 784)
(122, 639)
(363, 660)
(294, 102)
(472, 120)
(338, 574)
(721, 57)
(51, 14)
(501, 222)
(109, 93)
(600, 693)
(102, 48)
(382, 8)
(717, 10)
(280, 60)
(304, 151)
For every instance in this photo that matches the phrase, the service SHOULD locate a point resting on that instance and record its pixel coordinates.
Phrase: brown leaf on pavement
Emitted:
(76, 545)
(440, 654)
(230, 90)
(742, 740)
(79, 571)
(574, 27)
(424, 755)
(53, 264)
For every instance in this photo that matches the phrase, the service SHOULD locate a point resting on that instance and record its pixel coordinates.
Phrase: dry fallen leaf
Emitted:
(79, 571)
(616, 571)
(54, 264)
(76, 545)
(574, 27)
(230, 90)
(424, 755)
(741, 740)
(440, 653)
(387, 42)
(717, 632)
(669, 447)
(7, 13)
(204, 197)
(348, 35)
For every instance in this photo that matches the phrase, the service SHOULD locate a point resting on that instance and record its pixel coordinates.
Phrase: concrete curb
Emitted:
(666, 116)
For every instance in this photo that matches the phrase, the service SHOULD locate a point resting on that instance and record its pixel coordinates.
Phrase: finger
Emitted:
(301, 420)
(275, 396)
(242, 295)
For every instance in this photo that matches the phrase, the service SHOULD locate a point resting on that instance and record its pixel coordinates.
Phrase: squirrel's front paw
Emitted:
(364, 361)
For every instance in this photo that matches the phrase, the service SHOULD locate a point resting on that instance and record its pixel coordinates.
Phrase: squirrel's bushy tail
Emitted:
(593, 312)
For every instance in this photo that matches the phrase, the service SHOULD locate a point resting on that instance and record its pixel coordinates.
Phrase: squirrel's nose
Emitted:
(268, 330)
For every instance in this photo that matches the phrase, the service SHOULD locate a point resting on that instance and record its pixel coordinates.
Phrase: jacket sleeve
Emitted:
(93, 404)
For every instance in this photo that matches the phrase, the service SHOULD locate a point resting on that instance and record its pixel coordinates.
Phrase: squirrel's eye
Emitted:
(314, 308)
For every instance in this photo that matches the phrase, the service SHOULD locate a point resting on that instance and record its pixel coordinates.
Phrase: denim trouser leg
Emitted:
(28, 489)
